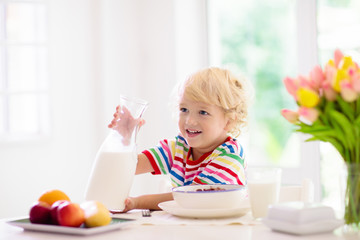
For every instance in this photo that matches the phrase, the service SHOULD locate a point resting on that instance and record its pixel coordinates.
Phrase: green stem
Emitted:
(352, 214)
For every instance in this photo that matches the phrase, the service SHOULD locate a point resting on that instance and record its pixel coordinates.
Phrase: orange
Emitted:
(52, 196)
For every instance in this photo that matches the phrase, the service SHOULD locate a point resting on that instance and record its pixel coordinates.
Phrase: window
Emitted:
(266, 41)
(23, 70)
(258, 38)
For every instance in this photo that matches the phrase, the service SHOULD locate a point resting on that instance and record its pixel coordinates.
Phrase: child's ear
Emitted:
(229, 125)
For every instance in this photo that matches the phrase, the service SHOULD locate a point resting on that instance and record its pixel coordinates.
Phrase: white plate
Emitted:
(25, 223)
(303, 229)
(173, 208)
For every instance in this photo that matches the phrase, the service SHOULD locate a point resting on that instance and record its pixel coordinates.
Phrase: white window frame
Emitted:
(43, 118)
(307, 52)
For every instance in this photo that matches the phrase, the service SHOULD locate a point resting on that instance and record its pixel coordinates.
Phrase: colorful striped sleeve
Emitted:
(161, 157)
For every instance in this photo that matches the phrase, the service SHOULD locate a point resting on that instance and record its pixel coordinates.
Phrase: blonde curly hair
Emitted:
(220, 87)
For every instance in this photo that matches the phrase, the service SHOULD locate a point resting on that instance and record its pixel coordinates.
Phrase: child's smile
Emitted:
(192, 133)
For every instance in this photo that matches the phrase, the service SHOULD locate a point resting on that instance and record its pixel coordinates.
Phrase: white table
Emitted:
(173, 232)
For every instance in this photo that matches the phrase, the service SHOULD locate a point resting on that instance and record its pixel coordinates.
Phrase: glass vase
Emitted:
(352, 199)
(115, 163)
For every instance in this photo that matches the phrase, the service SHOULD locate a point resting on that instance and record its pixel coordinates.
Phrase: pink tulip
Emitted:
(354, 76)
(347, 91)
(289, 115)
(356, 83)
(304, 82)
(310, 114)
(291, 86)
(329, 92)
(351, 71)
(330, 73)
(316, 77)
(338, 55)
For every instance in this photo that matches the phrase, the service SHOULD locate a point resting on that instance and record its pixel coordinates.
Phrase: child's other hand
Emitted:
(124, 123)
(129, 205)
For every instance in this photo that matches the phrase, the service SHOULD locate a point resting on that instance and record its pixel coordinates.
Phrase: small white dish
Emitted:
(25, 223)
(303, 229)
(175, 209)
(301, 218)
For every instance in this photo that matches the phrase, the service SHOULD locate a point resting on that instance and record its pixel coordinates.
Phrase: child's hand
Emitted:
(124, 123)
(130, 204)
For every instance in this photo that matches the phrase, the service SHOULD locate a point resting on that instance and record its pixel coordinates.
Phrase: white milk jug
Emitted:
(115, 163)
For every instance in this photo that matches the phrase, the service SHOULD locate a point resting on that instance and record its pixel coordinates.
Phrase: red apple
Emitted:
(70, 214)
(40, 213)
(54, 208)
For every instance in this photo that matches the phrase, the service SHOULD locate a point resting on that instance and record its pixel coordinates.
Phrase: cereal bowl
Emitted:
(214, 196)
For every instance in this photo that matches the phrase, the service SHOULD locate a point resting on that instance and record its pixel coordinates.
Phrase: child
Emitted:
(212, 104)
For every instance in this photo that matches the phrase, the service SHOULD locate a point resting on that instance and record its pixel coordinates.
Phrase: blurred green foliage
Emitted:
(259, 38)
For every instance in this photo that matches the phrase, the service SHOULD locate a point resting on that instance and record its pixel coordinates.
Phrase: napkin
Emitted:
(164, 218)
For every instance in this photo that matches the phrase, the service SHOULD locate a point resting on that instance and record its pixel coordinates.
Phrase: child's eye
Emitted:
(183, 110)
(202, 112)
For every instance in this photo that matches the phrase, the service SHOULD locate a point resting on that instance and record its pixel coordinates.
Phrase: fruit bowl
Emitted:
(213, 196)
(24, 223)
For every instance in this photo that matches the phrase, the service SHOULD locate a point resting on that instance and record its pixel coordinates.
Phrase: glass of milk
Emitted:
(115, 163)
(264, 187)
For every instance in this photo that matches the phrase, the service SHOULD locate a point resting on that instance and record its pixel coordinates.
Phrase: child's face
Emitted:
(203, 125)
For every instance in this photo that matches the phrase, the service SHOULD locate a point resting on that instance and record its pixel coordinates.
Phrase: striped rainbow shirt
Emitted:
(225, 165)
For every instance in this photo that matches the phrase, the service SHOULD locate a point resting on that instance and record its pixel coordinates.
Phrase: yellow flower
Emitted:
(340, 76)
(307, 97)
(346, 62)
(331, 63)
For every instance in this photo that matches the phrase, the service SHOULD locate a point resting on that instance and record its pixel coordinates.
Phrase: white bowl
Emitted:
(214, 196)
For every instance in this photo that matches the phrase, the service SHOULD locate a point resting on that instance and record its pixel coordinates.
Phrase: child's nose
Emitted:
(191, 120)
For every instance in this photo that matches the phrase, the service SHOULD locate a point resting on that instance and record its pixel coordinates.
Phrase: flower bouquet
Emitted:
(329, 111)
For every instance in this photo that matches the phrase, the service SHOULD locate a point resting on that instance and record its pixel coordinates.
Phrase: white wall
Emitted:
(62, 160)
(138, 59)
(98, 50)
